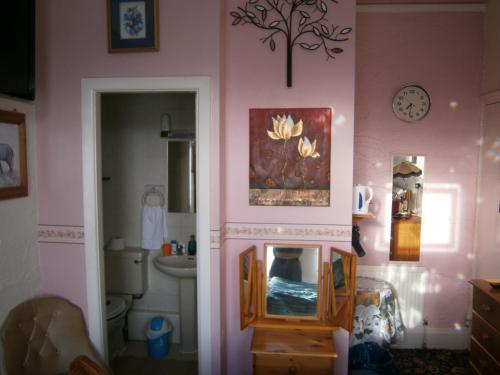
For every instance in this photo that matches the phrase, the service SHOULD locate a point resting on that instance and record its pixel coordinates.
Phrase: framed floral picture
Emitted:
(290, 156)
(13, 166)
(133, 25)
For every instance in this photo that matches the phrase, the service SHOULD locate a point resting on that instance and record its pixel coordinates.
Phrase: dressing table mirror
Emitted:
(292, 281)
(292, 288)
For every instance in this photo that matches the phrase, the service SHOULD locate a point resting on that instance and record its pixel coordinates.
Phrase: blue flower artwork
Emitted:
(133, 25)
(133, 21)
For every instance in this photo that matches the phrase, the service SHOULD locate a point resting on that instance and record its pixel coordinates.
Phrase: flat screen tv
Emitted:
(17, 43)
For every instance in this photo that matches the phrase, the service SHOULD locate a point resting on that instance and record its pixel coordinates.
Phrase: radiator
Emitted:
(409, 283)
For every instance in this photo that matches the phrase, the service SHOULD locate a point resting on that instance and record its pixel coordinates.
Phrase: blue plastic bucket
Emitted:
(157, 334)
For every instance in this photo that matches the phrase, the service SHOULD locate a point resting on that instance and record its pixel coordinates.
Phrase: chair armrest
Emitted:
(83, 365)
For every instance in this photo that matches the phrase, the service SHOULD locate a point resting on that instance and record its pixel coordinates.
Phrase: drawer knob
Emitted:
(485, 336)
(485, 307)
(292, 370)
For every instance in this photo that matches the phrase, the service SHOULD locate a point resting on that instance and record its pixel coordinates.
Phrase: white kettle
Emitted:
(361, 199)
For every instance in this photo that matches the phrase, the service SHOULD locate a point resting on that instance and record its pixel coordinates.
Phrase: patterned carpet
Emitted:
(371, 359)
(423, 362)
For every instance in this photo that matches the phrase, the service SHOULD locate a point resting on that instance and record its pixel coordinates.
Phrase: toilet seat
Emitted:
(115, 305)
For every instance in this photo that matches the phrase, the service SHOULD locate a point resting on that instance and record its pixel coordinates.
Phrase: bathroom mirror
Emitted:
(406, 212)
(342, 288)
(292, 275)
(248, 290)
(181, 176)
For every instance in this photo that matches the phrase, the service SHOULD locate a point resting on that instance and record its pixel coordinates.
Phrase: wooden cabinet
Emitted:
(278, 351)
(405, 234)
(485, 341)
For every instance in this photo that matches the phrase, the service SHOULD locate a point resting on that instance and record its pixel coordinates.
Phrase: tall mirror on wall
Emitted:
(181, 176)
(406, 213)
(292, 281)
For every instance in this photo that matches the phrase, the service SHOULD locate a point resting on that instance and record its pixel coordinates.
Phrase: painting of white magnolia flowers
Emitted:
(290, 156)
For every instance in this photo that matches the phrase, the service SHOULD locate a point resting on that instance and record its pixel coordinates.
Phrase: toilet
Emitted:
(126, 273)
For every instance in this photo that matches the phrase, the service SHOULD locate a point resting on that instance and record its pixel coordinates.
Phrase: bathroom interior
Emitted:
(148, 162)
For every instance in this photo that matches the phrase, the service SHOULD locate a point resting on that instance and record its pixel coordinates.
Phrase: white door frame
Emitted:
(92, 199)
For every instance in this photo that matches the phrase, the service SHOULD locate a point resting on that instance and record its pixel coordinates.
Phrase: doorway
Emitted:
(92, 89)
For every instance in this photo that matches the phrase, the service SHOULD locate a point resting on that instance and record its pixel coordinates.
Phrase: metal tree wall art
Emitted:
(302, 23)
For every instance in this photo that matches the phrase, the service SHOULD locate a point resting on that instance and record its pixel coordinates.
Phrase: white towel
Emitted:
(154, 227)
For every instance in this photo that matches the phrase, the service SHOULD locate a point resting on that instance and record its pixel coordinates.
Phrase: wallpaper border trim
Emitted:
(61, 234)
(304, 232)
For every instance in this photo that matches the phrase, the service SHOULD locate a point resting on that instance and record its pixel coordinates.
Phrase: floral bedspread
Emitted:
(377, 316)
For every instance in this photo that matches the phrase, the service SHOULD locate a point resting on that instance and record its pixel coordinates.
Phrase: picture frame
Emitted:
(290, 152)
(133, 25)
(13, 162)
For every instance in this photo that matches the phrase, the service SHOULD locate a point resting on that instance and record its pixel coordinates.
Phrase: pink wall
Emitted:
(487, 246)
(418, 1)
(72, 47)
(255, 78)
(442, 52)
(72, 44)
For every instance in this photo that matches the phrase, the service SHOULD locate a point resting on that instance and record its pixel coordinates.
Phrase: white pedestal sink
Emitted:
(184, 268)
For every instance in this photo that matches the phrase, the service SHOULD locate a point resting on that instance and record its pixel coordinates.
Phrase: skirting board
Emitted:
(436, 338)
(414, 338)
(138, 321)
(447, 338)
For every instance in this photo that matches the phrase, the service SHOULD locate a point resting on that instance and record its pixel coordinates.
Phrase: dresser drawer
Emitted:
(482, 361)
(273, 364)
(486, 307)
(473, 369)
(486, 335)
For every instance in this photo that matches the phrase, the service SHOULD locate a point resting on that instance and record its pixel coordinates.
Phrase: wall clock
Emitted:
(411, 103)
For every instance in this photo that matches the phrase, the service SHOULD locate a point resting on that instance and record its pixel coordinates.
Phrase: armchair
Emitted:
(43, 336)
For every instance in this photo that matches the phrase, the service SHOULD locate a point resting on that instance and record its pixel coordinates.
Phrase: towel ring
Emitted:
(151, 193)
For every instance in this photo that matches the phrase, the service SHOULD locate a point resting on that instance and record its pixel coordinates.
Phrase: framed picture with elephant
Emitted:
(13, 166)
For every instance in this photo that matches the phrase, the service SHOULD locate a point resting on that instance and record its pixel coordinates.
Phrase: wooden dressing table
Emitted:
(278, 351)
(290, 336)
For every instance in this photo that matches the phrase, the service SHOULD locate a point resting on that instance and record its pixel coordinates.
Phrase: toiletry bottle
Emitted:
(166, 249)
(173, 244)
(180, 249)
(192, 245)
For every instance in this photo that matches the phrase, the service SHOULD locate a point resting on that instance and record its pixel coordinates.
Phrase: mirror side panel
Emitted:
(343, 287)
(248, 273)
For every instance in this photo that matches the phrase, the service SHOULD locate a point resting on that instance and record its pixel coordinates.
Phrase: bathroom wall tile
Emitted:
(158, 301)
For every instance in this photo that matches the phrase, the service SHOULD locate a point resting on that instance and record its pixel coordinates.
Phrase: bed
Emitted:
(377, 316)
(288, 297)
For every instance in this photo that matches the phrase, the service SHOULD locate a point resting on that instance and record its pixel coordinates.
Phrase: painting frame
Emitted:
(290, 156)
(140, 34)
(13, 184)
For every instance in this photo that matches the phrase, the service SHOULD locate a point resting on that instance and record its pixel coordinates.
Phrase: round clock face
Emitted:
(411, 103)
